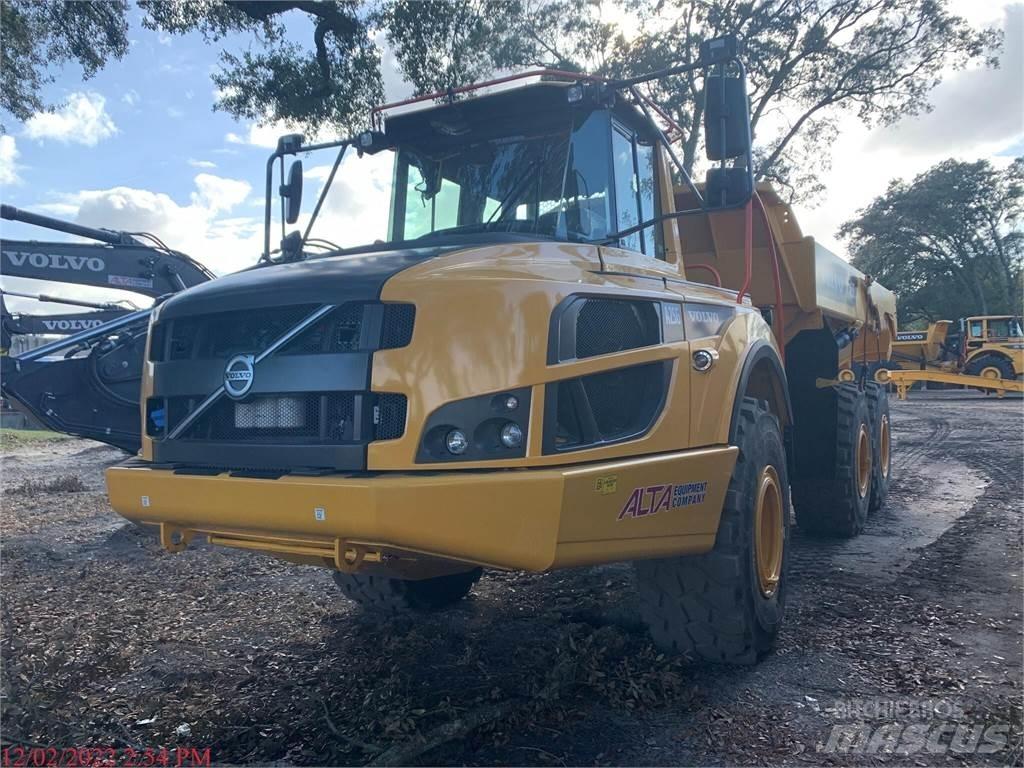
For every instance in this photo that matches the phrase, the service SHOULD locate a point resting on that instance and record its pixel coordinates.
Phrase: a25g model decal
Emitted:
(652, 499)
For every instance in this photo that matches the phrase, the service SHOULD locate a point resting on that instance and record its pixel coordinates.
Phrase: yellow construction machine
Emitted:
(986, 353)
(551, 358)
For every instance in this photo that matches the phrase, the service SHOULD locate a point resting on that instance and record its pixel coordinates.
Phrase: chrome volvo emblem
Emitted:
(238, 376)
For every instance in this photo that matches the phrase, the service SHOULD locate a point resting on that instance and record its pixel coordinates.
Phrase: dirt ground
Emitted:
(109, 641)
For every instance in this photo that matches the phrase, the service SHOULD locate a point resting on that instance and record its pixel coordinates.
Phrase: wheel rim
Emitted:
(769, 541)
(991, 372)
(863, 461)
(884, 446)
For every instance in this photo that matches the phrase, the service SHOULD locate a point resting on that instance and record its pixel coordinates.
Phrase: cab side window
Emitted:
(636, 198)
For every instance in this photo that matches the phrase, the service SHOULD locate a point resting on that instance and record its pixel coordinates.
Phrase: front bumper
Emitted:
(530, 519)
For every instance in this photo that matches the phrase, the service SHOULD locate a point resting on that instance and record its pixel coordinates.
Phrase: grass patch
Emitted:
(61, 484)
(14, 438)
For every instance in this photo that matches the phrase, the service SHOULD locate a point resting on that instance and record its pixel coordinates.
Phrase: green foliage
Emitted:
(809, 61)
(949, 243)
(41, 34)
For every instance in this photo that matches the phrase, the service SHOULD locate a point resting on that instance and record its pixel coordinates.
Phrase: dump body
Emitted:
(918, 350)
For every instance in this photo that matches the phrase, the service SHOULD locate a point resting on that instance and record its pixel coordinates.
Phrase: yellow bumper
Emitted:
(533, 519)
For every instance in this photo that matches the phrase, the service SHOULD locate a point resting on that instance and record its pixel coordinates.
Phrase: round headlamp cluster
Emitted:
(480, 428)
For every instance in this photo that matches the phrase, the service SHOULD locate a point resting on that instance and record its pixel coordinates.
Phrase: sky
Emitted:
(139, 147)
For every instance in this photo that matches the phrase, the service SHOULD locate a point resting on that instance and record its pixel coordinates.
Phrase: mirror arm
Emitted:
(281, 151)
(267, 209)
(323, 192)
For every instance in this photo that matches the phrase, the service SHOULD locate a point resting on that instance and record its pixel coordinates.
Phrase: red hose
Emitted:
(748, 249)
(709, 268)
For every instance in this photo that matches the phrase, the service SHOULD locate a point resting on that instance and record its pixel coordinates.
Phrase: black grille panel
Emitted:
(604, 326)
(390, 416)
(309, 418)
(224, 334)
(604, 407)
(398, 323)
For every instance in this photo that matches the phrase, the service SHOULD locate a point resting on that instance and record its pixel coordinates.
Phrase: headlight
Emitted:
(511, 435)
(456, 442)
(482, 428)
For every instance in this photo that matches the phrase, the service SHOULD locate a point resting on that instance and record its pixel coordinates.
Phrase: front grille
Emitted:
(224, 334)
(310, 418)
(398, 322)
(389, 416)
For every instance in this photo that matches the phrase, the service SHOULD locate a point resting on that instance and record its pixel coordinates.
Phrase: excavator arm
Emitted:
(87, 383)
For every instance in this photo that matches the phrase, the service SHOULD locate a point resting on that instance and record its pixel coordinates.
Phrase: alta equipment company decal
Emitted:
(652, 499)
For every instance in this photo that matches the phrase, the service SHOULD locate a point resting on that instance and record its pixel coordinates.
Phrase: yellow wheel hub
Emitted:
(769, 528)
(883, 446)
(991, 372)
(863, 461)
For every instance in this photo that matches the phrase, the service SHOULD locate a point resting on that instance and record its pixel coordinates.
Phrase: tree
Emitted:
(950, 243)
(41, 34)
(809, 61)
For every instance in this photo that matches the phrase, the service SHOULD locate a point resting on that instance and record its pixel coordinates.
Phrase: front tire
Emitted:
(726, 606)
(837, 505)
(392, 596)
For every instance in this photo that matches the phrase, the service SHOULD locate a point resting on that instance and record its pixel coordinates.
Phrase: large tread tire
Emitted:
(836, 506)
(711, 607)
(881, 444)
(980, 363)
(393, 596)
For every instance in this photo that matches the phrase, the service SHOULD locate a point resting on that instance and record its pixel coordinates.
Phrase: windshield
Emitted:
(553, 184)
(1004, 328)
(554, 173)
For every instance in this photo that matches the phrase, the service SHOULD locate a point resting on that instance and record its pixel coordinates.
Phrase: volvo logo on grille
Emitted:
(238, 376)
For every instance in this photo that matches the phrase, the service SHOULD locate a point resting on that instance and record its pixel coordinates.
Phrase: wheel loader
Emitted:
(554, 357)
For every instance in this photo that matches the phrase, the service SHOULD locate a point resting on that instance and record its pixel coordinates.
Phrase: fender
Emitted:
(760, 350)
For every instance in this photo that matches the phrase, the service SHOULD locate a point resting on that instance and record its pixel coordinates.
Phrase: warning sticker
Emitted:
(125, 281)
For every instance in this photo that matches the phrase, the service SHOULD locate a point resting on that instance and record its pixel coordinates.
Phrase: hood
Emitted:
(328, 280)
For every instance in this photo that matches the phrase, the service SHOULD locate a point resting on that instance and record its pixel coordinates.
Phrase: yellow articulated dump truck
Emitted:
(550, 358)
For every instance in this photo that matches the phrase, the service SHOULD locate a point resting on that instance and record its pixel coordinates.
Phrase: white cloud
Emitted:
(163, 38)
(175, 113)
(199, 229)
(215, 193)
(83, 120)
(208, 164)
(266, 136)
(355, 211)
(130, 97)
(8, 157)
(970, 107)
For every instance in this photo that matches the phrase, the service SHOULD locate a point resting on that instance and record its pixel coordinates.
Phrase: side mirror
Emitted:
(292, 192)
(727, 187)
(726, 117)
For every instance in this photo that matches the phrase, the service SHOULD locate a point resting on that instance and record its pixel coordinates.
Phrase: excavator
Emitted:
(86, 382)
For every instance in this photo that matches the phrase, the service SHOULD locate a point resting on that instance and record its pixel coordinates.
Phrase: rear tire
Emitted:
(391, 596)
(727, 606)
(881, 444)
(838, 505)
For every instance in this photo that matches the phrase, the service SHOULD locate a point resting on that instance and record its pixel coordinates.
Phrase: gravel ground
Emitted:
(897, 643)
